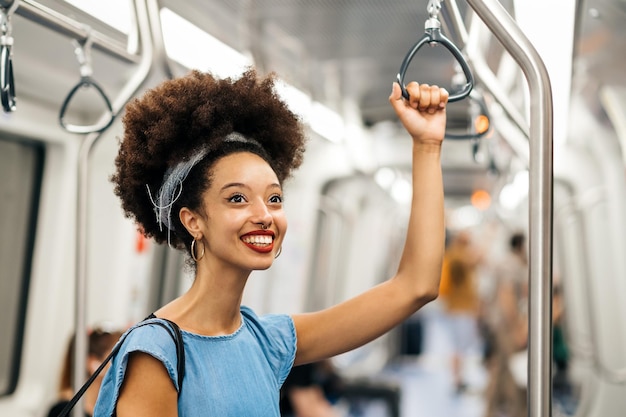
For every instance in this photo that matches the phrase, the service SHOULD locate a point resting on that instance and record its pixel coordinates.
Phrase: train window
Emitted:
(115, 13)
(182, 38)
(21, 166)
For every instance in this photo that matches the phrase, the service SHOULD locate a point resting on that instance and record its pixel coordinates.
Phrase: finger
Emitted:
(435, 99)
(445, 95)
(425, 97)
(414, 90)
(395, 98)
(395, 91)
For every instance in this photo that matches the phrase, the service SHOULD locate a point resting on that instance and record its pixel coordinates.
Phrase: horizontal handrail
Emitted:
(54, 20)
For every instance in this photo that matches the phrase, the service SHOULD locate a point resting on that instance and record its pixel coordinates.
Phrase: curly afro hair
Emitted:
(179, 117)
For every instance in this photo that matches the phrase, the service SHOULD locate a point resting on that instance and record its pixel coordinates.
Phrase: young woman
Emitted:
(201, 167)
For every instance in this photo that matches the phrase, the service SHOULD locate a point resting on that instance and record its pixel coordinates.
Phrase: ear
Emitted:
(191, 220)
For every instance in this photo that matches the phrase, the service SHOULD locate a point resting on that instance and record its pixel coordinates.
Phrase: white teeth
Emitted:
(258, 240)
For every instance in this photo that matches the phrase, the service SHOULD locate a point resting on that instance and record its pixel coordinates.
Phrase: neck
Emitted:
(211, 306)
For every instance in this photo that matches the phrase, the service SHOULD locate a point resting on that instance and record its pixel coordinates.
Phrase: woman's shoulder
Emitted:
(267, 321)
(157, 340)
(144, 337)
(277, 330)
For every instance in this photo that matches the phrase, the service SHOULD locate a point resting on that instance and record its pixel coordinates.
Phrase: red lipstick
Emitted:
(259, 245)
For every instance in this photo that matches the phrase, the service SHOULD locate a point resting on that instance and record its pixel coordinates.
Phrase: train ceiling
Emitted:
(331, 49)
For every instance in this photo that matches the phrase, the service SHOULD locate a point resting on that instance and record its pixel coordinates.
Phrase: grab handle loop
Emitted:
(82, 51)
(7, 82)
(434, 36)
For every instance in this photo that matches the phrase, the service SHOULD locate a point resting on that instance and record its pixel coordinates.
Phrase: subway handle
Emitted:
(434, 36)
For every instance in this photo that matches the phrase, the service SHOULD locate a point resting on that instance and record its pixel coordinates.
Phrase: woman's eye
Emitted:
(237, 198)
(276, 199)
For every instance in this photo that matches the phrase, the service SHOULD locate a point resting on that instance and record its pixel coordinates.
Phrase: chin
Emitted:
(264, 267)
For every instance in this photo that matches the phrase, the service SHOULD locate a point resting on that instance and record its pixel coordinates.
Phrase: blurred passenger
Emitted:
(99, 345)
(459, 293)
(565, 399)
(512, 288)
(310, 390)
(506, 393)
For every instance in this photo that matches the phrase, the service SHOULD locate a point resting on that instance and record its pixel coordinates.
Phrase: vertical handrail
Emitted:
(82, 191)
(160, 54)
(515, 42)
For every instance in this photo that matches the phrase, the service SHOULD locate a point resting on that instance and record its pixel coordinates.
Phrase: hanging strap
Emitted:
(172, 329)
(82, 49)
(433, 36)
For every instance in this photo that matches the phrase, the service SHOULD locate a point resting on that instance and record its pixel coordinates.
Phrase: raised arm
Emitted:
(367, 316)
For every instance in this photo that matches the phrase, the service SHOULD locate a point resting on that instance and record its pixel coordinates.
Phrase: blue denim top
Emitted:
(233, 375)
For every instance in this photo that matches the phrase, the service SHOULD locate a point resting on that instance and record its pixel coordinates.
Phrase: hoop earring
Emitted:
(280, 250)
(193, 251)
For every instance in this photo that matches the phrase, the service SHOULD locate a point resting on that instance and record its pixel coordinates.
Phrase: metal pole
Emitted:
(54, 20)
(129, 90)
(540, 201)
(160, 54)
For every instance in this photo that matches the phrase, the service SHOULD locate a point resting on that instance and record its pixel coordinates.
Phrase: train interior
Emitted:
(69, 67)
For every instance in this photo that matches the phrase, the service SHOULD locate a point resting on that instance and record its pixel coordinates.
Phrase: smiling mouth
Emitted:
(259, 243)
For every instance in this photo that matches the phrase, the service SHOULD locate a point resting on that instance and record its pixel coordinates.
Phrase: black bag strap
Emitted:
(172, 329)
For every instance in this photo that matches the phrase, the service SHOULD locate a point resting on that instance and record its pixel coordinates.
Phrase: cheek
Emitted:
(281, 223)
(226, 229)
(225, 220)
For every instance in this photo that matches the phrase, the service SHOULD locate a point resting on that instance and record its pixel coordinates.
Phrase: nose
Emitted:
(261, 215)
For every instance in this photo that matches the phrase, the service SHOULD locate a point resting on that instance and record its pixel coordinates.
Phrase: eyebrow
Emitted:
(239, 184)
